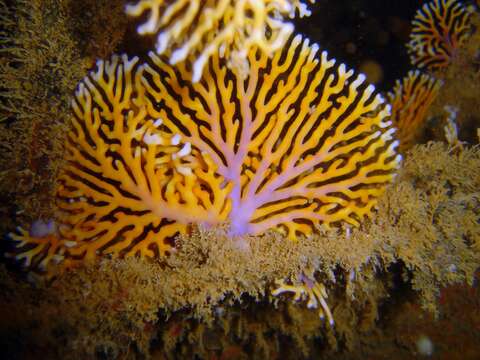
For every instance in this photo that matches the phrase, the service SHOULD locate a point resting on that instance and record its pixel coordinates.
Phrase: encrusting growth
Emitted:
(298, 143)
(439, 29)
(204, 28)
(411, 98)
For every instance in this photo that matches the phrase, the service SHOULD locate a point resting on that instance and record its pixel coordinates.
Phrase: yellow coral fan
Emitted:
(302, 140)
(125, 175)
(43, 249)
(204, 28)
(128, 187)
(411, 98)
(439, 28)
(298, 143)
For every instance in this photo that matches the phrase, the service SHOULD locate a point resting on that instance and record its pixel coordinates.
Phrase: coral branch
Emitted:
(301, 140)
(411, 98)
(307, 289)
(439, 28)
(205, 28)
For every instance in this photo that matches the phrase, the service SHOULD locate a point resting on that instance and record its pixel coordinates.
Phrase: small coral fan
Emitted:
(310, 289)
(204, 28)
(439, 28)
(298, 143)
(411, 98)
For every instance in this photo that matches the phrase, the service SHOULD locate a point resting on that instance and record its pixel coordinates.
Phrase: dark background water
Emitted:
(362, 32)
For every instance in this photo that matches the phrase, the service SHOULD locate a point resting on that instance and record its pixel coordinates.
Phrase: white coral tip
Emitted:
(187, 148)
(162, 43)
(369, 91)
(360, 79)
(57, 258)
(175, 140)
(152, 139)
(185, 171)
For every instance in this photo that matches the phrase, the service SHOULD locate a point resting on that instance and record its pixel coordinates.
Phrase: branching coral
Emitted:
(411, 99)
(299, 143)
(303, 141)
(149, 154)
(204, 28)
(127, 186)
(126, 178)
(439, 28)
(309, 289)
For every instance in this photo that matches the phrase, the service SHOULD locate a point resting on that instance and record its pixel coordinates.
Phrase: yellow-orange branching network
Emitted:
(303, 141)
(300, 142)
(312, 291)
(205, 27)
(125, 174)
(411, 98)
(439, 29)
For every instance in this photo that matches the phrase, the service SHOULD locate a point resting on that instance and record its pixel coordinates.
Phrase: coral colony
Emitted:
(411, 98)
(439, 29)
(151, 153)
(239, 122)
(201, 29)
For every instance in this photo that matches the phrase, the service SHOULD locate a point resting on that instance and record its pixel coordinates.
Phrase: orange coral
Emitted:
(128, 186)
(303, 141)
(298, 143)
(439, 28)
(48, 247)
(307, 289)
(204, 28)
(126, 174)
(411, 98)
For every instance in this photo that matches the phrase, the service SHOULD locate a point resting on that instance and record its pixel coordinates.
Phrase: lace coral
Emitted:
(128, 186)
(439, 28)
(307, 289)
(303, 141)
(204, 28)
(299, 142)
(411, 98)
